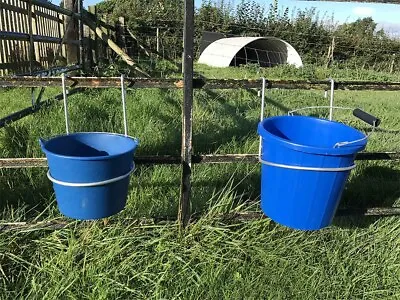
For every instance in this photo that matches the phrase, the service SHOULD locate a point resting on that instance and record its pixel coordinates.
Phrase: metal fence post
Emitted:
(187, 115)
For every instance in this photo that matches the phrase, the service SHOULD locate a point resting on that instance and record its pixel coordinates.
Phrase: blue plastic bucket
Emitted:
(90, 172)
(303, 173)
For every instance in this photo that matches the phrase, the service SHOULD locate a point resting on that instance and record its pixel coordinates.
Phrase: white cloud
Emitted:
(363, 11)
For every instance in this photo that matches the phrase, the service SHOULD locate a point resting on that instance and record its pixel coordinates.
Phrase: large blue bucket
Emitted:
(304, 169)
(90, 172)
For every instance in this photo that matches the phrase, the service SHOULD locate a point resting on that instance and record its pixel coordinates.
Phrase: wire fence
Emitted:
(328, 50)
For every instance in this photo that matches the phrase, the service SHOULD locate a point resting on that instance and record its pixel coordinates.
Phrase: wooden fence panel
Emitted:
(18, 55)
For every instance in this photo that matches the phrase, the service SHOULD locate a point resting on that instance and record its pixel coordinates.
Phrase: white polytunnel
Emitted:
(235, 51)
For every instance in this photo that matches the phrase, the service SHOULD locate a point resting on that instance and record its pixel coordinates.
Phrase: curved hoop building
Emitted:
(234, 51)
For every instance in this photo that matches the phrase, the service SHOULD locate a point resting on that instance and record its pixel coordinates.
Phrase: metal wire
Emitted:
(123, 96)
(64, 89)
(262, 110)
(331, 100)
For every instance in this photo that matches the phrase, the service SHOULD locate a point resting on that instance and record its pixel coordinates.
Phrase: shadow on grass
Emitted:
(214, 135)
(375, 186)
(26, 190)
(242, 182)
(244, 187)
(229, 121)
(209, 135)
(269, 101)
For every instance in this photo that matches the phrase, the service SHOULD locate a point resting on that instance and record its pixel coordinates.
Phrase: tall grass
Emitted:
(214, 258)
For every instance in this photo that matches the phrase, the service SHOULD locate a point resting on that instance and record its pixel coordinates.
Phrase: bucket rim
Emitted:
(344, 150)
(93, 158)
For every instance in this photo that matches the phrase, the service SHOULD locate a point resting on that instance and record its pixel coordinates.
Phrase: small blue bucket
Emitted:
(305, 164)
(90, 172)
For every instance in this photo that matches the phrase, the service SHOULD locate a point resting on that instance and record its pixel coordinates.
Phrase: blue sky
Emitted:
(386, 15)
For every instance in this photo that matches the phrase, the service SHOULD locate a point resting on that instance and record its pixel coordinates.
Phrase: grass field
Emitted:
(355, 258)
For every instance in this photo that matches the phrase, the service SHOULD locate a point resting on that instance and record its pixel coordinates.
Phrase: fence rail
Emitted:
(39, 162)
(198, 83)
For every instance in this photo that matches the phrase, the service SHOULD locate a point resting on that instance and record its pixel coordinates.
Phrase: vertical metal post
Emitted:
(262, 110)
(186, 153)
(331, 100)
(123, 96)
(64, 89)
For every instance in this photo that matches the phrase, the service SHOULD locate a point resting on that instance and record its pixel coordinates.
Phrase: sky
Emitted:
(386, 15)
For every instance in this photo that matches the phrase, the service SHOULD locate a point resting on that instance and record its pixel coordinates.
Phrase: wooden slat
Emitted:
(41, 30)
(45, 24)
(17, 49)
(34, 25)
(14, 44)
(14, 8)
(46, 15)
(7, 27)
(44, 60)
(23, 28)
(23, 17)
(22, 44)
(51, 22)
(26, 29)
(2, 44)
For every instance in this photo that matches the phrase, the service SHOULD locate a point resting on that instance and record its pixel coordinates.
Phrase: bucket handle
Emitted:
(65, 100)
(302, 168)
(368, 118)
(362, 115)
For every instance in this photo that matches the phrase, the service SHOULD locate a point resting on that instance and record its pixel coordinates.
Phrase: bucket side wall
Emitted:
(87, 171)
(89, 203)
(305, 200)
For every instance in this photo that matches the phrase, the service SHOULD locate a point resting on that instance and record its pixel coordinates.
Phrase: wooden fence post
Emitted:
(120, 33)
(61, 32)
(31, 43)
(2, 44)
(80, 36)
(93, 40)
(36, 52)
(71, 33)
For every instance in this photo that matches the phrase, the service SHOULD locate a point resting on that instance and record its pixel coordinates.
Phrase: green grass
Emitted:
(355, 258)
(308, 72)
